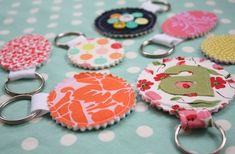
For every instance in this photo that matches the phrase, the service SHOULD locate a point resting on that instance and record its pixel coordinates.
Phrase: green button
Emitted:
(112, 20)
(137, 14)
(131, 25)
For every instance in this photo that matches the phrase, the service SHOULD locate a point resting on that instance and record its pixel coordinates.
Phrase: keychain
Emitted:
(86, 101)
(91, 53)
(220, 48)
(181, 27)
(190, 88)
(130, 22)
(21, 56)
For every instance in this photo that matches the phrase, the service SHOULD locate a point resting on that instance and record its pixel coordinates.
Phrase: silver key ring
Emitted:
(149, 55)
(164, 3)
(37, 76)
(179, 146)
(61, 35)
(29, 117)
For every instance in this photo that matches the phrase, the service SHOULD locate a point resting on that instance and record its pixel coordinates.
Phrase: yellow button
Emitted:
(141, 21)
(119, 25)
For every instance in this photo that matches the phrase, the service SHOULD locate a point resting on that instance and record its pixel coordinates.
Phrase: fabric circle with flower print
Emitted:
(186, 83)
(97, 53)
(190, 24)
(91, 100)
(24, 52)
(125, 22)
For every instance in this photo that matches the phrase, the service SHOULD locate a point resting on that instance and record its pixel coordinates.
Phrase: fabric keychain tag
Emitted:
(190, 88)
(86, 101)
(176, 29)
(92, 53)
(21, 56)
(130, 22)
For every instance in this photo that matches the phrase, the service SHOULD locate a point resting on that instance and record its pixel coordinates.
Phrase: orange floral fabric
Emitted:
(90, 100)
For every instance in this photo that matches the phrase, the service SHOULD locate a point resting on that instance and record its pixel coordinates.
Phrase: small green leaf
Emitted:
(175, 98)
(203, 103)
(156, 63)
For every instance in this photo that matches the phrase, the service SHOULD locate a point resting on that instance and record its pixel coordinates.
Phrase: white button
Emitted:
(126, 18)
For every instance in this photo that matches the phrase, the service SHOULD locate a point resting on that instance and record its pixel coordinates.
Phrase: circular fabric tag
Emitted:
(125, 22)
(186, 83)
(96, 53)
(91, 100)
(190, 24)
(220, 48)
(24, 52)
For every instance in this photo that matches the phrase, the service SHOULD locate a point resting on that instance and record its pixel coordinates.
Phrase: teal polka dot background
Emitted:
(144, 131)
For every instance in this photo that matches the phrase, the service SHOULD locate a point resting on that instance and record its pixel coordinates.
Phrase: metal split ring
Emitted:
(149, 55)
(61, 35)
(164, 3)
(12, 93)
(179, 146)
(27, 118)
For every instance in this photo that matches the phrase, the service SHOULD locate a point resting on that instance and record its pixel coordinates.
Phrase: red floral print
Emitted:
(144, 84)
(180, 58)
(231, 81)
(176, 108)
(217, 82)
(161, 76)
(217, 67)
(191, 94)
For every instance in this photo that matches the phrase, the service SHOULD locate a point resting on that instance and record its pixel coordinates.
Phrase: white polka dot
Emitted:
(144, 131)
(133, 69)
(121, 2)
(104, 71)
(231, 1)
(106, 136)
(31, 20)
(8, 21)
(52, 25)
(212, 3)
(225, 20)
(36, 2)
(141, 107)
(230, 150)
(217, 11)
(225, 124)
(57, 1)
(34, 10)
(76, 22)
(188, 49)
(68, 139)
(70, 74)
(29, 143)
(45, 76)
(4, 32)
(170, 15)
(12, 12)
(28, 30)
(56, 8)
(99, 12)
(128, 42)
(101, 3)
(188, 4)
(232, 31)
(78, 6)
(50, 35)
(77, 14)
(16, 4)
(2, 43)
(131, 55)
(54, 16)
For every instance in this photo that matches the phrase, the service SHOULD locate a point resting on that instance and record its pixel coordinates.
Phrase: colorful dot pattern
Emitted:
(96, 53)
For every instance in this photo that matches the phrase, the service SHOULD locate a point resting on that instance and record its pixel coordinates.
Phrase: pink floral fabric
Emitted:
(195, 119)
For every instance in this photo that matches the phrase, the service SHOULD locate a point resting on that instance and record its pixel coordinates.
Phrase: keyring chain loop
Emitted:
(149, 55)
(27, 118)
(12, 93)
(179, 146)
(61, 35)
(166, 4)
